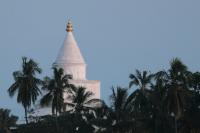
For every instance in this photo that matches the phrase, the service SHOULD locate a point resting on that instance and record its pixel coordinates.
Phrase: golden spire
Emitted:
(69, 27)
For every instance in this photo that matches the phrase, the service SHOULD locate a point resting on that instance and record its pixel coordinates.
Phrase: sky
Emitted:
(115, 37)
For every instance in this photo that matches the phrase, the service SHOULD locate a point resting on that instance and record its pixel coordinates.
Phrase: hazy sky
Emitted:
(115, 37)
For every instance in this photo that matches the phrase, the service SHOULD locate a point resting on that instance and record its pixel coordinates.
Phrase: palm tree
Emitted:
(118, 101)
(121, 110)
(140, 79)
(115, 118)
(178, 89)
(177, 83)
(81, 100)
(160, 117)
(139, 97)
(56, 87)
(26, 84)
(6, 120)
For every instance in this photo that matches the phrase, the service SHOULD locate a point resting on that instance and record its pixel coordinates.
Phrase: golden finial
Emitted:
(69, 27)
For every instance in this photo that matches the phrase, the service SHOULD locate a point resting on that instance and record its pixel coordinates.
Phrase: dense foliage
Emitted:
(166, 101)
(7, 120)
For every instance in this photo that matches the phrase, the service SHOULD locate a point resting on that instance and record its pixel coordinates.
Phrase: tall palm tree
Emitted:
(55, 88)
(177, 90)
(121, 111)
(177, 82)
(81, 100)
(160, 117)
(6, 121)
(26, 84)
(139, 97)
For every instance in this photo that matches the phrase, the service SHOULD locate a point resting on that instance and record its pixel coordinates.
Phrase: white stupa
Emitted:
(72, 61)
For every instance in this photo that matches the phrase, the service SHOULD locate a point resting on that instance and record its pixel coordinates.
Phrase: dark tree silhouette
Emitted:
(81, 100)
(26, 84)
(55, 88)
(6, 121)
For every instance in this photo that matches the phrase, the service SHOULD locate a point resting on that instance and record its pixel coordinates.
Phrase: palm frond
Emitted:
(93, 101)
(134, 80)
(13, 89)
(46, 100)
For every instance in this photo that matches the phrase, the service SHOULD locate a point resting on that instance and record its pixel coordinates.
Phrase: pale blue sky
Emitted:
(115, 37)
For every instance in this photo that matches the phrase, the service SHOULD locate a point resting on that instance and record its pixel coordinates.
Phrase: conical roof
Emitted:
(70, 52)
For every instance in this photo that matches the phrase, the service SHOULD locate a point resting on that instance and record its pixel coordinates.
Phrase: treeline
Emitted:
(167, 101)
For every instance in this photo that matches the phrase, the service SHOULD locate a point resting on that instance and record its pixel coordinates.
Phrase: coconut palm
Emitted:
(160, 117)
(55, 88)
(177, 83)
(6, 121)
(142, 80)
(81, 100)
(118, 101)
(122, 120)
(139, 97)
(26, 84)
(116, 117)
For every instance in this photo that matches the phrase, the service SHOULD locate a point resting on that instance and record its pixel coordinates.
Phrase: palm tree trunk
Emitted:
(175, 125)
(57, 116)
(26, 117)
(56, 122)
(155, 125)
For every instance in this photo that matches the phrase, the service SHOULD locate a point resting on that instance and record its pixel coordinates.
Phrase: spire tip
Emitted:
(69, 26)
